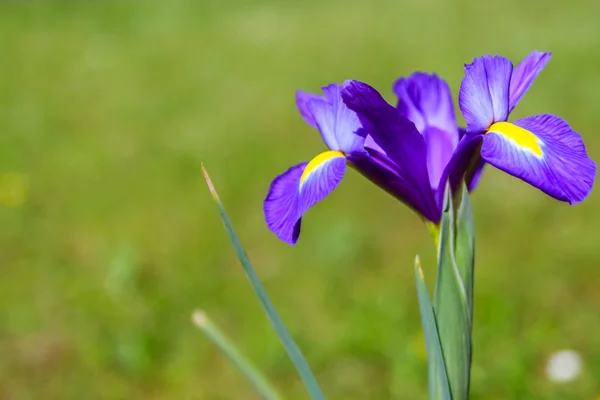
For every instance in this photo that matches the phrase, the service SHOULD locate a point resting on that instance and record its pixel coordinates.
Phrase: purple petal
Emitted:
(347, 126)
(322, 174)
(302, 99)
(475, 170)
(383, 172)
(524, 74)
(336, 123)
(545, 152)
(281, 204)
(440, 147)
(483, 96)
(322, 113)
(474, 174)
(426, 100)
(464, 157)
(370, 144)
(395, 134)
(292, 193)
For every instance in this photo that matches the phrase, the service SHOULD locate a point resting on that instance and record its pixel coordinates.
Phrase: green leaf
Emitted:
(288, 343)
(212, 331)
(453, 299)
(464, 246)
(439, 388)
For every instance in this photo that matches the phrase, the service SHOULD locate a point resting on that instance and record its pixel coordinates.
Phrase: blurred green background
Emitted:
(109, 238)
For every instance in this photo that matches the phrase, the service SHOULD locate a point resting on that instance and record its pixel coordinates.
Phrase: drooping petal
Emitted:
(524, 74)
(426, 100)
(484, 92)
(384, 173)
(545, 152)
(292, 193)
(302, 99)
(322, 174)
(281, 204)
(346, 123)
(395, 134)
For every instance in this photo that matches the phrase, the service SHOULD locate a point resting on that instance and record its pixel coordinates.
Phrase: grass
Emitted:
(109, 238)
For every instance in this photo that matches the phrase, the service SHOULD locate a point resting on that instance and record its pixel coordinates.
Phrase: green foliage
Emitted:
(212, 331)
(454, 291)
(288, 343)
(439, 388)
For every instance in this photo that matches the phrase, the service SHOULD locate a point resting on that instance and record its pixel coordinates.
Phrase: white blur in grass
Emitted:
(564, 366)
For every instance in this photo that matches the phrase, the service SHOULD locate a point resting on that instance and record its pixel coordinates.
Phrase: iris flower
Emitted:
(414, 149)
(409, 168)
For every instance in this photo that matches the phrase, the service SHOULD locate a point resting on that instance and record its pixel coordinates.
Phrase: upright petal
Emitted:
(302, 99)
(426, 100)
(545, 152)
(321, 111)
(292, 193)
(346, 123)
(336, 123)
(524, 74)
(440, 147)
(484, 92)
(395, 134)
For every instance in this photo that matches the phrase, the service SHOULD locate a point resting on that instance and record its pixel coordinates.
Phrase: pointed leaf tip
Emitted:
(209, 183)
(418, 268)
(284, 336)
(199, 318)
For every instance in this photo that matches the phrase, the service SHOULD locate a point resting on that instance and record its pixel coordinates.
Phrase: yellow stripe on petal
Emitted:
(522, 137)
(317, 161)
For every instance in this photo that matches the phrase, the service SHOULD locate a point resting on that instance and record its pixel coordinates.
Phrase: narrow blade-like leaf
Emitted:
(288, 343)
(454, 292)
(439, 388)
(256, 378)
(464, 246)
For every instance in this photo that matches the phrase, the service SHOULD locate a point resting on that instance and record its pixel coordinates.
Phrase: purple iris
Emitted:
(408, 166)
(414, 149)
